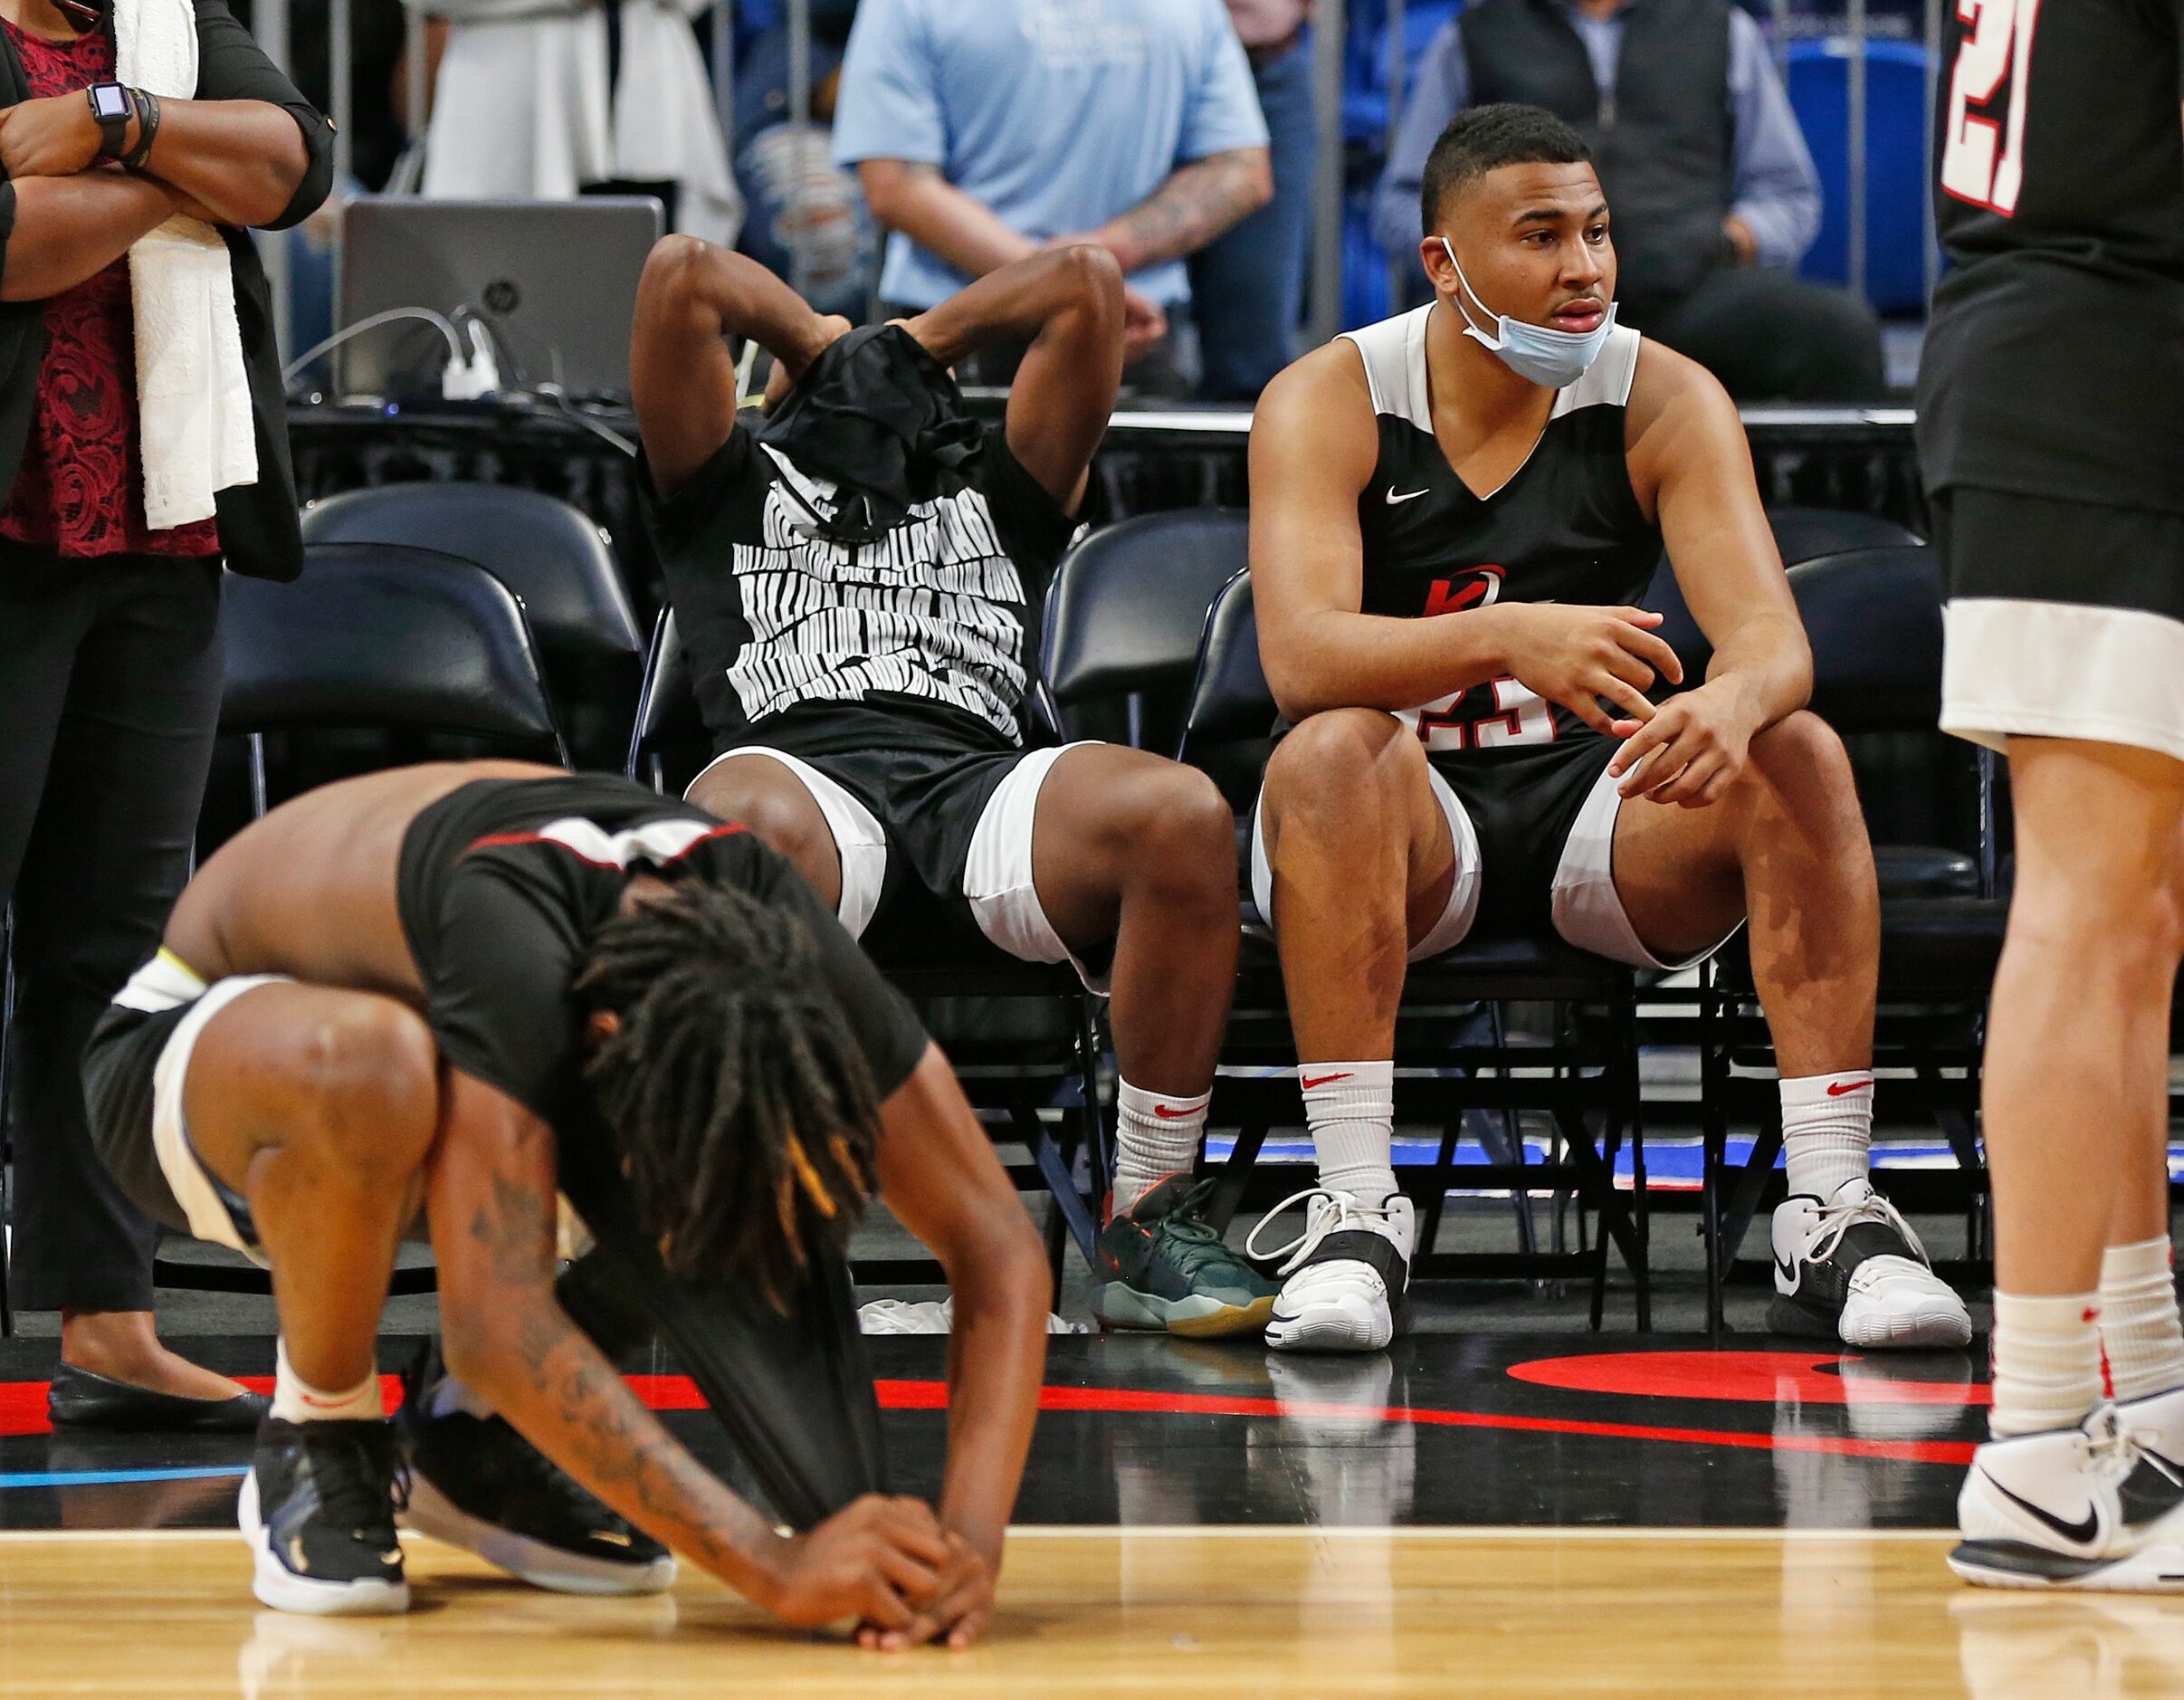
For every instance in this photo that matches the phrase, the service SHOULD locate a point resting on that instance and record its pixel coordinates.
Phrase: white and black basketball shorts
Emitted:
(1534, 834)
(2063, 619)
(134, 1071)
(936, 849)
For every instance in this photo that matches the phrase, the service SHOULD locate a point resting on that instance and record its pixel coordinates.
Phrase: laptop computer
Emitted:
(557, 281)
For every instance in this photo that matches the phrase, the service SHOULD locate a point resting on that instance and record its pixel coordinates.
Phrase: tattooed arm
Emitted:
(1196, 203)
(491, 1202)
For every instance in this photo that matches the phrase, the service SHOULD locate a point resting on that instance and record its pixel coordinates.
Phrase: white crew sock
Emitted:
(2139, 1329)
(1156, 1135)
(2047, 1363)
(295, 1400)
(1827, 1130)
(1350, 1109)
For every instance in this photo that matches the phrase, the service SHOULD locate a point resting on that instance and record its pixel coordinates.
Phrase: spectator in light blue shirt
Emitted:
(984, 130)
(1739, 309)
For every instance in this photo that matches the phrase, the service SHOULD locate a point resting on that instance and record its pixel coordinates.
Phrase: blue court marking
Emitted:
(94, 1478)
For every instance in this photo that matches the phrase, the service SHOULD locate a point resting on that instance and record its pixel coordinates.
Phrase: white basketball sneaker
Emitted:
(1344, 1274)
(2088, 1507)
(1851, 1269)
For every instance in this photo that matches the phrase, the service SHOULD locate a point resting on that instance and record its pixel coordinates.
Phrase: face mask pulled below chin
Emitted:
(1552, 358)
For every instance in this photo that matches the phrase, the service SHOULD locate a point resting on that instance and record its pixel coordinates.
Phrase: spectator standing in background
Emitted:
(1713, 189)
(142, 441)
(807, 220)
(984, 132)
(1247, 287)
(540, 100)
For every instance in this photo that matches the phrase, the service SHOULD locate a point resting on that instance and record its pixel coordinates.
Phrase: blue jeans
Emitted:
(1247, 289)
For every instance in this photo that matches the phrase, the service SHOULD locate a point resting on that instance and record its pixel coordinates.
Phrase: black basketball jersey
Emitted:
(2054, 361)
(1566, 527)
(501, 884)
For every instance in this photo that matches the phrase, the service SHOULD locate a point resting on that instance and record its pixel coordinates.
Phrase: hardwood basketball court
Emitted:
(1466, 1513)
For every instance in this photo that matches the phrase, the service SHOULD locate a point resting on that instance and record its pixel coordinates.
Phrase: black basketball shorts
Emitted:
(133, 1073)
(936, 849)
(1534, 832)
(2062, 619)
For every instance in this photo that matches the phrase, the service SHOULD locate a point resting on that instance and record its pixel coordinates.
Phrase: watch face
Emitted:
(110, 100)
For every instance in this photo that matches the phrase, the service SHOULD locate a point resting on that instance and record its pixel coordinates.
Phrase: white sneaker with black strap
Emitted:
(1851, 1269)
(1344, 1276)
(2094, 1507)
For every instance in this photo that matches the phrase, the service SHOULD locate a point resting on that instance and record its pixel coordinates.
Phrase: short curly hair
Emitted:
(1485, 138)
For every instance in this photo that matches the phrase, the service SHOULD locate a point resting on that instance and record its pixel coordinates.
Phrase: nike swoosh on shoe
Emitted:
(2081, 1533)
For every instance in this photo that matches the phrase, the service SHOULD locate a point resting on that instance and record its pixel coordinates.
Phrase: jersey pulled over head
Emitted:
(737, 1099)
(1512, 188)
(882, 421)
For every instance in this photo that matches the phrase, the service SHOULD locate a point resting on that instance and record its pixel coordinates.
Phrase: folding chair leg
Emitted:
(1235, 1170)
(1057, 1242)
(1099, 1147)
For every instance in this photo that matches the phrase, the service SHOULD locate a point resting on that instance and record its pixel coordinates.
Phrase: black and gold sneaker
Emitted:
(317, 1509)
(475, 1482)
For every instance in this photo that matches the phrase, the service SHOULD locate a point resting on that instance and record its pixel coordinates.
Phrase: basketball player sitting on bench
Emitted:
(858, 581)
(455, 986)
(1509, 460)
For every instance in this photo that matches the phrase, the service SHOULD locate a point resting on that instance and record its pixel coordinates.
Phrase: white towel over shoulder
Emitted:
(193, 391)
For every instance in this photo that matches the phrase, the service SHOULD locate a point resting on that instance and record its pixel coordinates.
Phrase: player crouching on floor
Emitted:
(468, 987)
(859, 580)
(1452, 514)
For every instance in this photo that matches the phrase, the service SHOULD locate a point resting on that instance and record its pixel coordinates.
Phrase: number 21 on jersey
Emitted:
(1983, 157)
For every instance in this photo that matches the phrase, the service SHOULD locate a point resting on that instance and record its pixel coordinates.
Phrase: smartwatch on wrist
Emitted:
(112, 108)
(148, 127)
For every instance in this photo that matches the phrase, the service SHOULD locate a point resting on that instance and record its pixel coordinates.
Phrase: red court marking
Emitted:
(23, 1412)
(1761, 1377)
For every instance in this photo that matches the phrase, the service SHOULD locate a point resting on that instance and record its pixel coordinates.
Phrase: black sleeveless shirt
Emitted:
(1566, 527)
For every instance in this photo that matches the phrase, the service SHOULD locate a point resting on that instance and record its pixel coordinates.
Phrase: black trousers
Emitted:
(109, 695)
(1770, 336)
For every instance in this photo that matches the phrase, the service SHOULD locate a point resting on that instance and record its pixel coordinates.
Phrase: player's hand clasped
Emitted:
(888, 1563)
(1576, 655)
(1690, 751)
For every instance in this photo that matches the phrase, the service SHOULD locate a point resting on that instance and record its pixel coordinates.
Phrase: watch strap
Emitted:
(148, 127)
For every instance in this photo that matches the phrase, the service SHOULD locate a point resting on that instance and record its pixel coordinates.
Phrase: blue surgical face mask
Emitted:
(1552, 358)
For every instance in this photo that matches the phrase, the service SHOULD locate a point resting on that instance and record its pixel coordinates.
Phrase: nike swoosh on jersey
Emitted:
(1395, 501)
(2081, 1532)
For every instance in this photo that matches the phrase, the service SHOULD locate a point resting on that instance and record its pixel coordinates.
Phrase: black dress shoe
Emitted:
(78, 1399)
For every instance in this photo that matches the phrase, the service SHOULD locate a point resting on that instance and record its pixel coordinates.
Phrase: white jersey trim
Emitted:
(1394, 353)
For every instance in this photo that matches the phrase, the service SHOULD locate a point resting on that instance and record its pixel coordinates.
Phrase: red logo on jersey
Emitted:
(1478, 588)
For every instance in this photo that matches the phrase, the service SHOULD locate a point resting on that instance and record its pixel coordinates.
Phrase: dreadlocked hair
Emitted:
(741, 1103)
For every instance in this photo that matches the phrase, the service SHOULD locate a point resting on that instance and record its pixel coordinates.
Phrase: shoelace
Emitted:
(2130, 1446)
(1838, 1219)
(1326, 1213)
(1191, 1241)
(2112, 1449)
(356, 1477)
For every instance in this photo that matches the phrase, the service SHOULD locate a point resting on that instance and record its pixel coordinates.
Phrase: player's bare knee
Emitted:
(787, 822)
(1802, 750)
(1180, 832)
(373, 1074)
(1338, 758)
